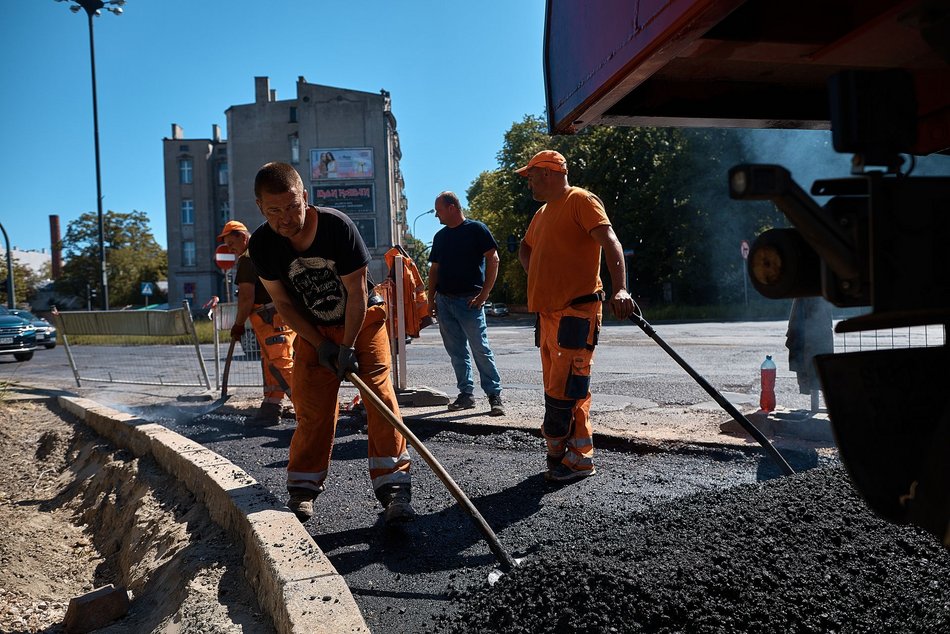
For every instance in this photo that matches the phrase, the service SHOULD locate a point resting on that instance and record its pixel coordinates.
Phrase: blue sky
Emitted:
(459, 75)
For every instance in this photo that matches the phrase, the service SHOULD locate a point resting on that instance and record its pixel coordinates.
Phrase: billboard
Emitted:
(367, 229)
(349, 198)
(336, 163)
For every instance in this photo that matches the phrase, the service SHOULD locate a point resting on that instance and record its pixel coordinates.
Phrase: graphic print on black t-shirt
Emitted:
(320, 287)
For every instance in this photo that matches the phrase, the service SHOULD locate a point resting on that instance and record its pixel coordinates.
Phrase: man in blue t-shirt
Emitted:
(464, 265)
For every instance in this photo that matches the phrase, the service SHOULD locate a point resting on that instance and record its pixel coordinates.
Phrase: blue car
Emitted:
(45, 331)
(17, 336)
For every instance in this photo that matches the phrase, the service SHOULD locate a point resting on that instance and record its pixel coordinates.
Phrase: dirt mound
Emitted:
(76, 514)
(798, 554)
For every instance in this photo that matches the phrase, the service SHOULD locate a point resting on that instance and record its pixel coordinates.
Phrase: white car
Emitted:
(496, 309)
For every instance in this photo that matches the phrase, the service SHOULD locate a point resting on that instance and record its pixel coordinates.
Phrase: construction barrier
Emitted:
(245, 368)
(119, 346)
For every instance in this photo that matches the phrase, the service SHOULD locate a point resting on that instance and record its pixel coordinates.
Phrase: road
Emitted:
(409, 579)
(631, 371)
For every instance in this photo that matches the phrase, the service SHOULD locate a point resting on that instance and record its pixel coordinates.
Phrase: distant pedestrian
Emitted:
(275, 339)
(463, 269)
(561, 253)
(313, 262)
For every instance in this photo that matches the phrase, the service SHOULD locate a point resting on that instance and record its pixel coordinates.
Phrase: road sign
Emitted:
(744, 249)
(224, 258)
(147, 289)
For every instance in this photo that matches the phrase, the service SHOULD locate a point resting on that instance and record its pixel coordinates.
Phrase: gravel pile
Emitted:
(796, 554)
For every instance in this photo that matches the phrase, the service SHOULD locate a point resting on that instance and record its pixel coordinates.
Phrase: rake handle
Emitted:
(506, 561)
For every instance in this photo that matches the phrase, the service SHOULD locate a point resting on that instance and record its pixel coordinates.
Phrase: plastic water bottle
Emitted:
(767, 397)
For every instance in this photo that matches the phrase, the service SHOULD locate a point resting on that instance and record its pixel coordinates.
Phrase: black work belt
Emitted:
(599, 296)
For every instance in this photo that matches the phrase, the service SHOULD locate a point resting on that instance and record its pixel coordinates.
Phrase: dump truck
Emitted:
(876, 73)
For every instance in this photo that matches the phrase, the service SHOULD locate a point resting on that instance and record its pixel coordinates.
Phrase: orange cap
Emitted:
(545, 158)
(230, 227)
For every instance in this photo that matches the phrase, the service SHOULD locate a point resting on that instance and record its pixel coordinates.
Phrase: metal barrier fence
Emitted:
(245, 368)
(124, 351)
(908, 337)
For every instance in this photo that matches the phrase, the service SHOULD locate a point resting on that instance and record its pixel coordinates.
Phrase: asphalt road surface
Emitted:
(432, 575)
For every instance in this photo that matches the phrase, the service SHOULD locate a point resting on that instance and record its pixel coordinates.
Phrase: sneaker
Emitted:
(497, 407)
(301, 503)
(464, 401)
(268, 415)
(563, 473)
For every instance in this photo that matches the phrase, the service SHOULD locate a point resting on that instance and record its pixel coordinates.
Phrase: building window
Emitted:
(294, 149)
(188, 253)
(185, 171)
(187, 212)
(222, 173)
(183, 148)
(225, 211)
(293, 114)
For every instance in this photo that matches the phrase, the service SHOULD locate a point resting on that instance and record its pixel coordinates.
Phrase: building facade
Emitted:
(344, 145)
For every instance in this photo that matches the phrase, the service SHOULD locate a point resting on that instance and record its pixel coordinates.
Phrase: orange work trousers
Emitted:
(276, 341)
(567, 339)
(315, 397)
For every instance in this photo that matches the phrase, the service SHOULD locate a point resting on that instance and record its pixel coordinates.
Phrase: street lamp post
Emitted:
(11, 293)
(431, 211)
(93, 8)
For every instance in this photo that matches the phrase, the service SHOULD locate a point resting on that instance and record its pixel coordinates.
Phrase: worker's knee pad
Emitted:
(558, 416)
(578, 385)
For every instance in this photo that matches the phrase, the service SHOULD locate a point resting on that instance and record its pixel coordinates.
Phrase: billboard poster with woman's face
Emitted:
(337, 163)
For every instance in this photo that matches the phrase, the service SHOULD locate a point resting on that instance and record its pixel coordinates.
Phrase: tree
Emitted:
(419, 253)
(665, 191)
(132, 257)
(26, 282)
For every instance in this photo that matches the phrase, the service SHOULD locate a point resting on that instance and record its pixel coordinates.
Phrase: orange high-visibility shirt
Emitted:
(565, 258)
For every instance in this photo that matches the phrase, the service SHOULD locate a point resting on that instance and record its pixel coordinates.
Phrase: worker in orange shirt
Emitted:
(561, 254)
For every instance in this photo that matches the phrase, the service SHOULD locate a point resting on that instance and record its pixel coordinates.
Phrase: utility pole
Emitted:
(92, 8)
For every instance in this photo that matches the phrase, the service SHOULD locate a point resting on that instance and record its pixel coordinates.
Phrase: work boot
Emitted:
(554, 461)
(301, 503)
(464, 401)
(564, 474)
(396, 502)
(268, 415)
(497, 407)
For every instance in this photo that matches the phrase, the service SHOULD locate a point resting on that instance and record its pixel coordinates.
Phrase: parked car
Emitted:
(495, 309)
(17, 336)
(45, 331)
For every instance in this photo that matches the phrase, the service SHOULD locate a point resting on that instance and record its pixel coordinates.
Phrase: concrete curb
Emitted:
(295, 582)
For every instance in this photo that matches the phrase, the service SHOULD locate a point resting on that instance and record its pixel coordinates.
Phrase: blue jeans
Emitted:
(461, 325)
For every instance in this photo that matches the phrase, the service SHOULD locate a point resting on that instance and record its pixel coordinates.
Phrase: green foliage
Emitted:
(25, 281)
(665, 191)
(132, 257)
(419, 253)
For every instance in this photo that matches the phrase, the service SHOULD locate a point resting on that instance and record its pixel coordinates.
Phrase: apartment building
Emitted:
(344, 144)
